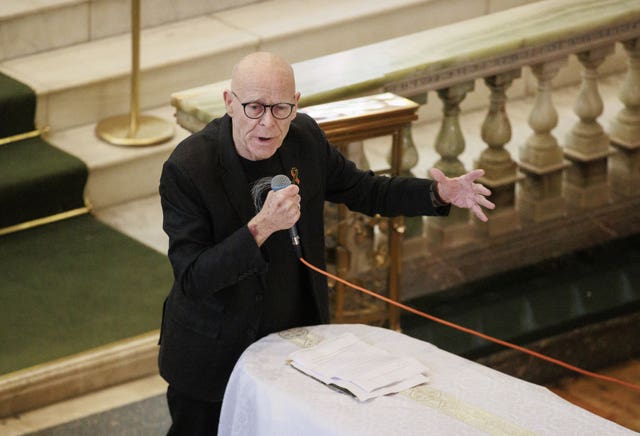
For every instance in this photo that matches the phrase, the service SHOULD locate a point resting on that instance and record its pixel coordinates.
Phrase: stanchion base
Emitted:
(151, 130)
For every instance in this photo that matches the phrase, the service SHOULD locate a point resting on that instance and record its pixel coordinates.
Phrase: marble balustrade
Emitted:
(553, 183)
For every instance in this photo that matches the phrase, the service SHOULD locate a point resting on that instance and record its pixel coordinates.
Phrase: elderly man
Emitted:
(237, 275)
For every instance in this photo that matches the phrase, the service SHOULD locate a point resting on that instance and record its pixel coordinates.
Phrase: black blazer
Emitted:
(213, 310)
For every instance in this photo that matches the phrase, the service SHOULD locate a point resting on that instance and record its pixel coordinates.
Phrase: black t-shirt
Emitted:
(287, 301)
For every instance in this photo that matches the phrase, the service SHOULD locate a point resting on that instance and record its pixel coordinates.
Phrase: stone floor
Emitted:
(136, 408)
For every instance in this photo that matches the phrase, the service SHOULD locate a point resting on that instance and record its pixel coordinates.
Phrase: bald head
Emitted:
(263, 70)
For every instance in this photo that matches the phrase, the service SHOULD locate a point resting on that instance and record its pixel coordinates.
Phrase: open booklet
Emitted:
(352, 365)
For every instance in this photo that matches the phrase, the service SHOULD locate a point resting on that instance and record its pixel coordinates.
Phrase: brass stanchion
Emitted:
(135, 129)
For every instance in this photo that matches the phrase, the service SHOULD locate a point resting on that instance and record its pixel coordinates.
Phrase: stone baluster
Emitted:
(413, 225)
(541, 158)
(624, 169)
(450, 144)
(450, 140)
(587, 145)
(501, 171)
(409, 152)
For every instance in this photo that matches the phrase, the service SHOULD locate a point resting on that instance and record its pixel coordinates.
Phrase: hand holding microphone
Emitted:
(280, 211)
(279, 183)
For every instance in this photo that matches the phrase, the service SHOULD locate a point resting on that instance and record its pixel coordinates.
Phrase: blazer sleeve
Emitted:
(363, 191)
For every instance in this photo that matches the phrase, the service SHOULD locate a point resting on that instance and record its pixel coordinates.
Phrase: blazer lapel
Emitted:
(235, 183)
(291, 162)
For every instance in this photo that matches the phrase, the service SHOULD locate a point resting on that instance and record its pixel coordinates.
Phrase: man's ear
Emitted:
(228, 99)
(296, 99)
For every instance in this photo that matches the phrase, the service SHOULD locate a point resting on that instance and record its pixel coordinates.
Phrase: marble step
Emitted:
(34, 26)
(117, 174)
(88, 79)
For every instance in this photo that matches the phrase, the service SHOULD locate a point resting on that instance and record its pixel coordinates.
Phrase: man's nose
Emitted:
(267, 118)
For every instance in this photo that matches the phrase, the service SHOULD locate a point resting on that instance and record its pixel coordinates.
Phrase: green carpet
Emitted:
(37, 180)
(74, 285)
(17, 107)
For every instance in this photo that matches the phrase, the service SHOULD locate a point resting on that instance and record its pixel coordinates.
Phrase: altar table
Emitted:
(266, 396)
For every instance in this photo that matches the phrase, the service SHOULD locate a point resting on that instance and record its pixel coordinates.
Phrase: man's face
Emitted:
(258, 139)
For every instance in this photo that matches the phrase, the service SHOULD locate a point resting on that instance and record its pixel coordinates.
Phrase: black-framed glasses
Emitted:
(255, 110)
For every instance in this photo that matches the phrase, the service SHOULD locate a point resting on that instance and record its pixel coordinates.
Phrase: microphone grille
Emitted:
(280, 181)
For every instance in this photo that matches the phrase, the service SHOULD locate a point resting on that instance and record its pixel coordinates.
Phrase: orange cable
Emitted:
(476, 333)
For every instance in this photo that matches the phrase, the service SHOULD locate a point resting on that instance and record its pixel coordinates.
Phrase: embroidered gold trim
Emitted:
(474, 416)
(301, 337)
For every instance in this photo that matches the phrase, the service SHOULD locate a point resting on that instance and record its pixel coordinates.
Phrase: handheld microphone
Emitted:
(277, 183)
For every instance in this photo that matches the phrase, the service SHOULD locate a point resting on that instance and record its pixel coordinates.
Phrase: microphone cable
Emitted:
(474, 332)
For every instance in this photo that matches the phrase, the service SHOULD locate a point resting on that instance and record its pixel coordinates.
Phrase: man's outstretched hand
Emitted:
(463, 192)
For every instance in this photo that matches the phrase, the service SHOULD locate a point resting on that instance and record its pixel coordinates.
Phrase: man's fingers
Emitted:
(475, 174)
(282, 207)
(437, 174)
(485, 203)
(479, 213)
(481, 189)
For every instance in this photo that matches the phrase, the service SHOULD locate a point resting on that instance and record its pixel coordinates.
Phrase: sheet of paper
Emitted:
(364, 370)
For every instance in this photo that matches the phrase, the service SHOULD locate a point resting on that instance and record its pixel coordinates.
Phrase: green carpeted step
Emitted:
(17, 107)
(37, 180)
(74, 285)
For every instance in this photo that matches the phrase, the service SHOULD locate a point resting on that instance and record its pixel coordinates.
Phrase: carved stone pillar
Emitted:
(541, 159)
(455, 229)
(587, 145)
(501, 171)
(624, 168)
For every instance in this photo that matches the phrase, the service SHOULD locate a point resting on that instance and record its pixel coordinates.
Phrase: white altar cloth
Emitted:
(266, 396)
